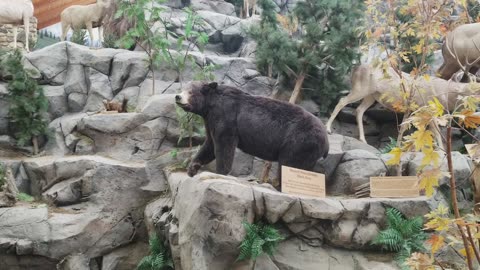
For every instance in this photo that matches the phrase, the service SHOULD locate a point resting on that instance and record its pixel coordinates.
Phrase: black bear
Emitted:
(263, 127)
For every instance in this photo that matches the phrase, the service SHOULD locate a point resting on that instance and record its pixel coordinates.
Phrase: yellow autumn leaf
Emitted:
(436, 106)
(427, 78)
(429, 180)
(430, 156)
(410, 32)
(469, 119)
(463, 251)
(438, 224)
(418, 48)
(471, 102)
(422, 138)
(436, 242)
(419, 261)
(396, 154)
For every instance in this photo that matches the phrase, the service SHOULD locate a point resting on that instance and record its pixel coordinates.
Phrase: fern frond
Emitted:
(156, 246)
(394, 218)
(259, 238)
(145, 263)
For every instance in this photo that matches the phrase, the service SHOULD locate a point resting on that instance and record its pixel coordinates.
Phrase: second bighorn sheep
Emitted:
(17, 12)
(84, 17)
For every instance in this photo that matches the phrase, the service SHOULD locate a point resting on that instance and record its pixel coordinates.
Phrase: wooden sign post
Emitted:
(394, 187)
(301, 182)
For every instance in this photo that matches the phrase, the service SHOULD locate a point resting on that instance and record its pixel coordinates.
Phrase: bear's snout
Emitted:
(178, 98)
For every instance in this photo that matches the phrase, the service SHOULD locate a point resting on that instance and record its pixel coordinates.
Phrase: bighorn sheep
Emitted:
(247, 4)
(461, 51)
(17, 12)
(369, 85)
(81, 17)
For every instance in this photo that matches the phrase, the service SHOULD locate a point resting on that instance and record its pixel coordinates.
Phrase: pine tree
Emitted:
(328, 46)
(28, 104)
(275, 49)
(320, 55)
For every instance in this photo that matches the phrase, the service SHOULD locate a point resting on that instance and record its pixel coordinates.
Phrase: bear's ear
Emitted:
(213, 85)
(208, 87)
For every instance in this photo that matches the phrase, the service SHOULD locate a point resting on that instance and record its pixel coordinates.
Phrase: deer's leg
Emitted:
(90, 32)
(366, 103)
(65, 28)
(100, 34)
(26, 26)
(247, 8)
(254, 7)
(350, 98)
(15, 30)
(448, 69)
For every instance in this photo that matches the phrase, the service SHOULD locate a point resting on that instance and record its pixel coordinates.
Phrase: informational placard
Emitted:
(473, 150)
(301, 182)
(394, 187)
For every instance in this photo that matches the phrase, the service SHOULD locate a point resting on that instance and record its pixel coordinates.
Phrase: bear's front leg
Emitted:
(224, 153)
(204, 156)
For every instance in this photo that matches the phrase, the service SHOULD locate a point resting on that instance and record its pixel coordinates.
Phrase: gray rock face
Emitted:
(50, 61)
(355, 168)
(100, 89)
(107, 202)
(209, 202)
(57, 101)
(125, 258)
(217, 22)
(218, 6)
(128, 69)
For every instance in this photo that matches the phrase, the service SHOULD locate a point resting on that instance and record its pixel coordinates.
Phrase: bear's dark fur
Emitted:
(263, 127)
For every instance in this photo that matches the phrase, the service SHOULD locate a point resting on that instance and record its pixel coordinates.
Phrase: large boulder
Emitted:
(210, 202)
(128, 69)
(355, 169)
(217, 6)
(50, 61)
(96, 206)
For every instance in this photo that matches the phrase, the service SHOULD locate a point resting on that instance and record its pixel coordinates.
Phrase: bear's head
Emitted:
(194, 96)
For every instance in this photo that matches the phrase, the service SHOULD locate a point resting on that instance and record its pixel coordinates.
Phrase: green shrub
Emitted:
(403, 236)
(24, 197)
(190, 125)
(110, 41)
(392, 144)
(28, 104)
(159, 258)
(259, 238)
(79, 37)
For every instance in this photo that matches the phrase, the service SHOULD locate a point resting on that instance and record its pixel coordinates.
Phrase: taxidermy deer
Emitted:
(84, 17)
(17, 12)
(461, 51)
(369, 85)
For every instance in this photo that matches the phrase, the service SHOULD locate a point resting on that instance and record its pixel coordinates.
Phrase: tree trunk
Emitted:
(298, 88)
(35, 145)
(453, 194)
(270, 71)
